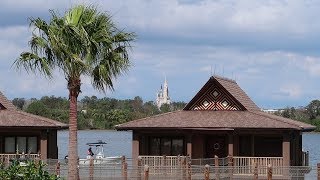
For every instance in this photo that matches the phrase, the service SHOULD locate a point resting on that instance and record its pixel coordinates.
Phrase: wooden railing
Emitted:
(245, 165)
(7, 157)
(171, 163)
(161, 160)
(305, 158)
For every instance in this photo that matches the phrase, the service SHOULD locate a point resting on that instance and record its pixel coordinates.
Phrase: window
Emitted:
(32, 145)
(9, 145)
(177, 146)
(155, 146)
(267, 146)
(245, 145)
(21, 144)
(159, 146)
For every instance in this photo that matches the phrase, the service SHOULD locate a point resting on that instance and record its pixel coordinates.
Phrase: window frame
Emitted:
(16, 142)
(162, 138)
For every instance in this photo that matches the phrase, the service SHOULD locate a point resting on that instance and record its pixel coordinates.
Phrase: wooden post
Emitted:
(189, 170)
(125, 171)
(255, 171)
(146, 172)
(164, 165)
(91, 169)
(318, 169)
(269, 172)
(124, 166)
(206, 172)
(58, 169)
(216, 164)
(164, 160)
(123, 160)
(183, 167)
(216, 160)
(36, 161)
(7, 161)
(230, 166)
(139, 167)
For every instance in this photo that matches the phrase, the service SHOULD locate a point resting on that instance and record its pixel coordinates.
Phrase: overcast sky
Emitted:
(271, 48)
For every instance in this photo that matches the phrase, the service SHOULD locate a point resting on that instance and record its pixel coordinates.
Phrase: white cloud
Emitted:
(291, 90)
(312, 65)
(32, 5)
(265, 45)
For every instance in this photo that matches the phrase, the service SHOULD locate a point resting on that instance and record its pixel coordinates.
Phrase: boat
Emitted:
(99, 158)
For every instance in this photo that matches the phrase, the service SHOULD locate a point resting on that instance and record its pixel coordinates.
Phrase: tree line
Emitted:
(93, 112)
(105, 113)
(308, 114)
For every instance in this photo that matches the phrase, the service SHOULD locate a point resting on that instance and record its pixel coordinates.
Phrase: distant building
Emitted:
(272, 111)
(163, 95)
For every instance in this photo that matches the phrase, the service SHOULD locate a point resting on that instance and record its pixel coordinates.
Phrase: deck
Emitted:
(182, 167)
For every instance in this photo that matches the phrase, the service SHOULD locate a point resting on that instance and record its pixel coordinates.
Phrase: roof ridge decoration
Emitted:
(5, 103)
(223, 78)
(220, 93)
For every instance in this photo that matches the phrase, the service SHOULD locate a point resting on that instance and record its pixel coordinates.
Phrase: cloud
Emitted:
(269, 47)
(312, 65)
(289, 91)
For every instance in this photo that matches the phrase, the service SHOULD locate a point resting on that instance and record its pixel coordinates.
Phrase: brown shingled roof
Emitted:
(248, 117)
(6, 103)
(216, 120)
(234, 89)
(11, 117)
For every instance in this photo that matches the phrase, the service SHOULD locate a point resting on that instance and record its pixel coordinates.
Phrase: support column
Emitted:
(236, 145)
(189, 145)
(230, 144)
(286, 150)
(252, 146)
(135, 148)
(44, 145)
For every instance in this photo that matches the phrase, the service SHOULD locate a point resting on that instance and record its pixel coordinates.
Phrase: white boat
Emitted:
(99, 158)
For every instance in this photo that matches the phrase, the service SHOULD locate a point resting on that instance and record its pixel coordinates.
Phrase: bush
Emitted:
(31, 170)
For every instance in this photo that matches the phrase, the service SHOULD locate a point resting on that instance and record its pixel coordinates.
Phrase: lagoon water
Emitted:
(119, 143)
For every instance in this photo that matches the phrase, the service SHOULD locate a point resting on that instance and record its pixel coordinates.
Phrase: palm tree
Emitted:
(83, 42)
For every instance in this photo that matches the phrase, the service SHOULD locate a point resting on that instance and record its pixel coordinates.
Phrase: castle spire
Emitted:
(163, 94)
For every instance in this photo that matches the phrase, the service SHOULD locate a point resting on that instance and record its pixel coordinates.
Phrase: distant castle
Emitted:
(163, 95)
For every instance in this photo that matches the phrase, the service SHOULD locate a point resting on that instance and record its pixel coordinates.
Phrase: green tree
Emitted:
(37, 108)
(313, 109)
(83, 42)
(19, 102)
(165, 108)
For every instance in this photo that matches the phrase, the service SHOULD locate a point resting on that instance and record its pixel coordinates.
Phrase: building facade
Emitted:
(221, 120)
(24, 133)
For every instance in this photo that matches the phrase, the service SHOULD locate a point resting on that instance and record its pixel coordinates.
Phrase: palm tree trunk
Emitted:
(73, 173)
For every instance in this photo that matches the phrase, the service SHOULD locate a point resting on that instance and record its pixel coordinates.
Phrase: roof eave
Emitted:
(119, 128)
(308, 129)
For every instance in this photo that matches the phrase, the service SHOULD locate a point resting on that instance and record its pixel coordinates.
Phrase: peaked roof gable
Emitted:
(5, 103)
(221, 94)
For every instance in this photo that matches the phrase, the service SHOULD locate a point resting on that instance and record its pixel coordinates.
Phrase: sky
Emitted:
(271, 48)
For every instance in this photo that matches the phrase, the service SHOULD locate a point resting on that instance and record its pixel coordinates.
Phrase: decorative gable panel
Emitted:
(216, 98)
(1, 107)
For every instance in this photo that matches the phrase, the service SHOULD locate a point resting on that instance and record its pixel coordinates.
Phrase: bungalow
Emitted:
(221, 120)
(21, 132)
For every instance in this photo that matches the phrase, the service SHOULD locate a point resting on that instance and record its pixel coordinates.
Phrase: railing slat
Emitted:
(246, 164)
